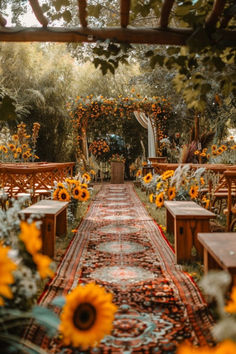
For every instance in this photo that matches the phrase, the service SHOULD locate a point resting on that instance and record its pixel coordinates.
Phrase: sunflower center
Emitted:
(76, 192)
(84, 316)
(63, 196)
(83, 195)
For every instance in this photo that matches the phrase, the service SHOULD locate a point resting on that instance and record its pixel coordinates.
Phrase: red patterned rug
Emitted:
(120, 247)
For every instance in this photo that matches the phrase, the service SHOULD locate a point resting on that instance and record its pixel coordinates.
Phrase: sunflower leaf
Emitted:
(59, 301)
(46, 318)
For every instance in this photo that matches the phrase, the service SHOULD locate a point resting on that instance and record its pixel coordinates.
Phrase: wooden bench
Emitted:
(219, 252)
(185, 219)
(54, 221)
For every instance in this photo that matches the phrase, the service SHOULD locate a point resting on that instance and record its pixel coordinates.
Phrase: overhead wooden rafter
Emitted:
(163, 34)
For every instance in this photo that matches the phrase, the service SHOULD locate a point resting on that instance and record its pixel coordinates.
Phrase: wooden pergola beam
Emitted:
(170, 36)
(83, 12)
(165, 13)
(38, 12)
(124, 13)
(214, 15)
(3, 21)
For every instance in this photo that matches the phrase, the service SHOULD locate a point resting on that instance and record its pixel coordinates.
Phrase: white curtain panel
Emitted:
(146, 123)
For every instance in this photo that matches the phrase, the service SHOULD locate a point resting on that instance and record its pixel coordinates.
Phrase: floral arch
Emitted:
(91, 112)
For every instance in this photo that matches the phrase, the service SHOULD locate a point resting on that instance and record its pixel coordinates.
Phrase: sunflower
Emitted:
(138, 174)
(167, 174)
(63, 195)
(86, 176)
(30, 235)
(171, 193)
(193, 192)
(60, 185)
(84, 185)
(43, 262)
(19, 150)
(151, 198)
(159, 184)
(224, 147)
(202, 181)
(226, 346)
(206, 202)
(203, 154)
(160, 200)
(15, 137)
(231, 306)
(55, 194)
(196, 152)
(4, 149)
(219, 151)
(83, 195)
(213, 147)
(12, 147)
(76, 192)
(6, 277)
(147, 178)
(87, 316)
(92, 172)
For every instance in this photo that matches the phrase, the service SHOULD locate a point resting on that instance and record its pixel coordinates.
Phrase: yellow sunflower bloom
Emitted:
(55, 194)
(15, 137)
(139, 173)
(224, 147)
(86, 176)
(43, 262)
(171, 193)
(196, 152)
(159, 184)
(60, 185)
(19, 150)
(4, 149)
(202, 181)
(160, 200)
(63, 195)
(219, 151)
(227, 346)
(147, 178)
(231, 306)
(83, 195)
(84, 185)
(76, 192)
(87, 316)
(151, 198)
(214, 148)
(31, 237)
(193, 192)
(167, 174)
(92, 172)
(12, 147)
(203, 154)
(6, 277)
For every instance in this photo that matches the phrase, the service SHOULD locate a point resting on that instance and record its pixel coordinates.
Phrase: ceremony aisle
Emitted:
(119, 246)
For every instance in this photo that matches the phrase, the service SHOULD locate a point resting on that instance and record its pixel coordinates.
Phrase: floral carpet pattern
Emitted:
(119, 246)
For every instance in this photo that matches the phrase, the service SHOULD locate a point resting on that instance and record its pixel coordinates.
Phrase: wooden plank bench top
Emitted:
(54, 221)
(219, 251)
(185, 219)
(186, 209)
(46, 207)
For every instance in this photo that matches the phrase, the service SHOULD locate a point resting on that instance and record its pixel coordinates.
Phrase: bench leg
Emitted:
(209, 262)
(169, 222)
(186, 237)
(49, 235)
(61, 223)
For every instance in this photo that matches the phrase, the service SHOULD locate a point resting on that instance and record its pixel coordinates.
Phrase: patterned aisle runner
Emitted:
(119, 246)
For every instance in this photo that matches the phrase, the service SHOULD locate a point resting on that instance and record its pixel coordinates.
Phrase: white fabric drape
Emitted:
(146, 123)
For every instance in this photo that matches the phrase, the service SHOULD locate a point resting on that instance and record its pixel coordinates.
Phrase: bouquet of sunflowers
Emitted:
(19, 148)
(117, 158)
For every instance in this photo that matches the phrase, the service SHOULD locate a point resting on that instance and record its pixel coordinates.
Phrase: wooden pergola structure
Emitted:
(162, 34)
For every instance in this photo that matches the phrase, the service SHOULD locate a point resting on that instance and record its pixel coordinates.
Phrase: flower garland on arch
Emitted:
(85, 111)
